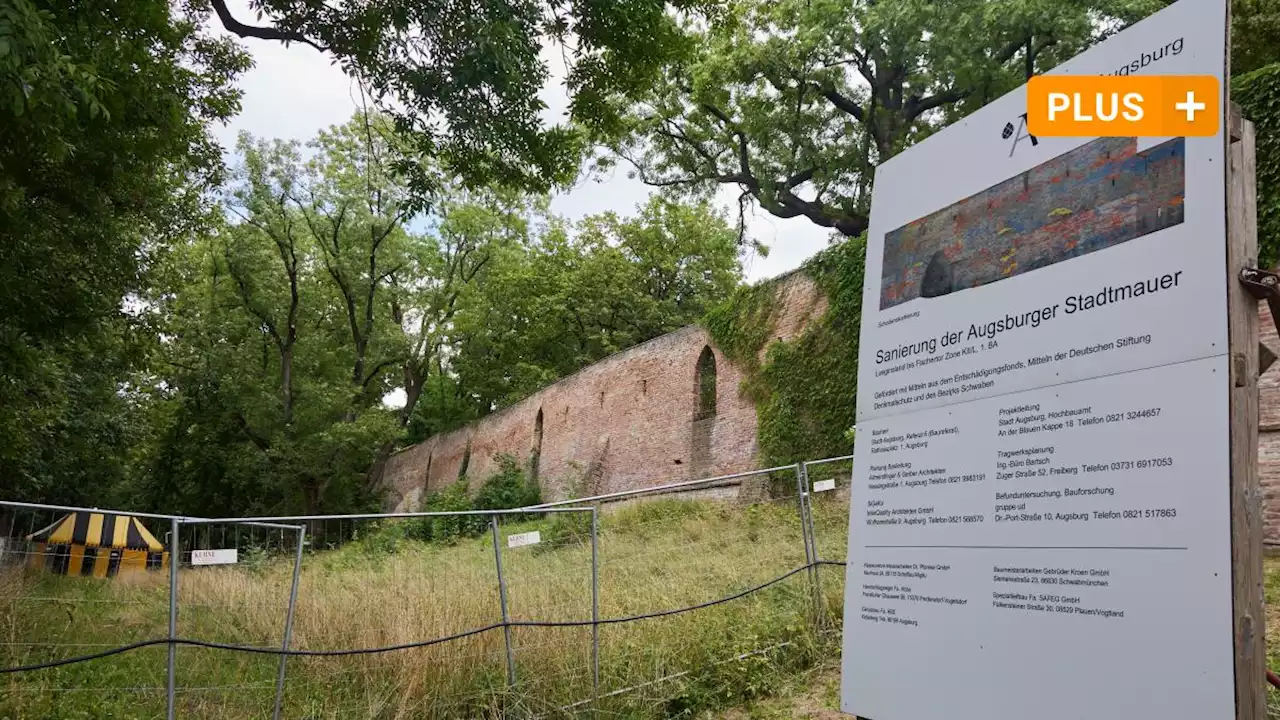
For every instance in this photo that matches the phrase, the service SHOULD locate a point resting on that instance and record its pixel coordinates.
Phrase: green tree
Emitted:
(572, 295)
(794, 102)
(105, 161)
(1255, 35)
(463, 79)
(286, 339)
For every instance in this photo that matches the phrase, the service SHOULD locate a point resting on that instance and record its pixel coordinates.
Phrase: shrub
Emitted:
(508, 488)
(454, 498)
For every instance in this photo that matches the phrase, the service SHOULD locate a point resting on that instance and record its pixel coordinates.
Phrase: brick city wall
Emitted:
(625, 422)
(1269, 432)
(628, 422)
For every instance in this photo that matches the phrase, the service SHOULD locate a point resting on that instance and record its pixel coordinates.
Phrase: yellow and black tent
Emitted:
(97, 545)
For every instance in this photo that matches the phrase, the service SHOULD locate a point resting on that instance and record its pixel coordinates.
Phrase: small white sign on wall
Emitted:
(824, 485)
(214, 557)
(522, 539)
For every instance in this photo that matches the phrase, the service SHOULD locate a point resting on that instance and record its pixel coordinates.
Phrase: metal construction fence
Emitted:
(645, 602)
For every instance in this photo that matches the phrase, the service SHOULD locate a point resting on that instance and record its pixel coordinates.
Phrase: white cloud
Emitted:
(293, 92)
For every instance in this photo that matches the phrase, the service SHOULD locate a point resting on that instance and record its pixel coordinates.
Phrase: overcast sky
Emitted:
(290, 93)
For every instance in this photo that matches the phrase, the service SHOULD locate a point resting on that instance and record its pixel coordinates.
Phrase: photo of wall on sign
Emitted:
(1096, 196)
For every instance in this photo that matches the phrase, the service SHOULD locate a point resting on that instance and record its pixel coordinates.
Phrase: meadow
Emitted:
(385, 589)
(769, 654)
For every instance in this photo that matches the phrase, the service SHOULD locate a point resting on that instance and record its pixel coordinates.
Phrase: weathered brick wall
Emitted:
(628, 421)
(625, 422)
(1269, 432)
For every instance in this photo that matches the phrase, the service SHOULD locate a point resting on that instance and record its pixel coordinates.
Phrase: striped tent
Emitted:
(97, 545)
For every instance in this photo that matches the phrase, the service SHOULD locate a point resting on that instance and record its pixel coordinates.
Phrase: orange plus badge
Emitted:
(1123, 106)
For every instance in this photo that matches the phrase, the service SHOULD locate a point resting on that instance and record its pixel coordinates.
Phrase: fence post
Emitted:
(502, 598)
(175, 557)
(595, 606)
(288, 622)
(810, 543)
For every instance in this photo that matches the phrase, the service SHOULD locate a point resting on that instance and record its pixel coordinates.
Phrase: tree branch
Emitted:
(917, 106)
(378, 369)
(803, 176)
(262, 33)
(257, 438)
(841, 102)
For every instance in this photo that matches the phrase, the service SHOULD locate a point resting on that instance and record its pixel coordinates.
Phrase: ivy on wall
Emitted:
(805, 389)
(1258, 94)
(741, 325)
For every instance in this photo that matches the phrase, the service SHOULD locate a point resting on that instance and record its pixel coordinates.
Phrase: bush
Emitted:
(565, 529)
(508, 488)
(454, 498)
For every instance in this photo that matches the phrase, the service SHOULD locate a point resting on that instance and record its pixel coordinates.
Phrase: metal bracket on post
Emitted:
(1264, 285)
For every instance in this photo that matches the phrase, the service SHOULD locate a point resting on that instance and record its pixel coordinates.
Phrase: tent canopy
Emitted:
(92, 529)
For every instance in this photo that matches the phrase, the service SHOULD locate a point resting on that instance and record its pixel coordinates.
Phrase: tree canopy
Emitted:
(105, 162)
(181, 335)
(325, 289)
(794, 102)
(464, 80)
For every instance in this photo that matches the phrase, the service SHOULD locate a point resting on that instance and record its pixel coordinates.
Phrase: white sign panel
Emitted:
(521, 539)
(214, 557)
(1040, 486)
(997, 264)
(824, 485)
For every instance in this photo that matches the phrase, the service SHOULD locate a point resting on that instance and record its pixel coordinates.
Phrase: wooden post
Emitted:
(1246, 493)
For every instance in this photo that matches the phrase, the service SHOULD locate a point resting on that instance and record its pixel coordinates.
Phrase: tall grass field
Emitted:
(384, 589)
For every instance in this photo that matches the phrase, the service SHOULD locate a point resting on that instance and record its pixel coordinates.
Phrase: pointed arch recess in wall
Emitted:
(706, 385)
(466, 461)
(535, 458)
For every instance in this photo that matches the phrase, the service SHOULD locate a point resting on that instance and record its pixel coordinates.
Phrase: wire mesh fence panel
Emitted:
(547, 572)
(829, 499)
(696, 547)
(398, 582)
(707, 595)
(71, 585)
(233, 586)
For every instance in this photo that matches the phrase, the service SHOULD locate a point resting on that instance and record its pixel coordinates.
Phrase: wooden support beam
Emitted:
(1246, 491)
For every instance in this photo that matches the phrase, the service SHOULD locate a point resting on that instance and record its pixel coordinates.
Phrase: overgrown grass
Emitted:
(389, 589)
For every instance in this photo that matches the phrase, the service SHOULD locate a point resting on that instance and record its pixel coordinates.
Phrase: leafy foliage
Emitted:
(794, 102)
(805, 390)
(1258, 94)
(741, 326)
(567, 296)
(464, 80)
(507, 488)
(104, 161)
(1255, 35)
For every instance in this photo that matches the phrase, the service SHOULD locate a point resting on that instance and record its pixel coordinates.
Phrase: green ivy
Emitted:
(805, 390)
(1258, 94)
(741, 325)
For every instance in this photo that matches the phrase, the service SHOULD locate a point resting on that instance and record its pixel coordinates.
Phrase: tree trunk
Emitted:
(414, 382)
(311, 492)
(286, 384)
